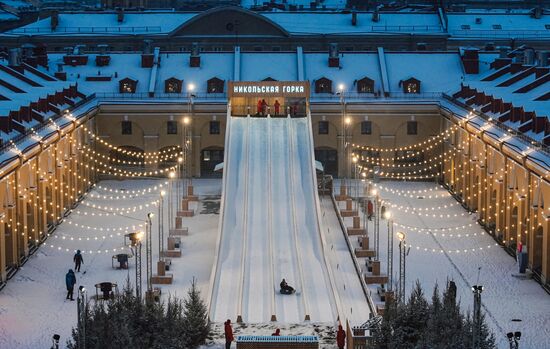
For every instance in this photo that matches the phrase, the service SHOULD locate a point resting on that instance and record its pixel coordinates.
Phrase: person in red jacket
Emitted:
(259, 107)
(277, 106)
(340, 337)
(276, 333)
(370, 210)
(228, 334)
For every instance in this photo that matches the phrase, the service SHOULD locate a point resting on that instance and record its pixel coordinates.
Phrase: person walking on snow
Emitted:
(340, 337)
(277, 106)
(228, 331)
(276, 333)
(70, 281)
(77, 261)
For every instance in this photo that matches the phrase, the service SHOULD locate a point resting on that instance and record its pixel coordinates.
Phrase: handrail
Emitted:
(270, 216)
(84, 30)
(245, 225)
(318, 218)
(366, 290)
(214, 272)
(291, 152)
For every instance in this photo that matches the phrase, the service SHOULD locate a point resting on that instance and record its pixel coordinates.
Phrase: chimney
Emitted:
(470, 61)
(354, 18)
(120, 15)
(333, 59)
(147, 58)
(60, 74)
(195, 59)
(543, 58)
(376, 16)
(54, 20)
(14, 57)
(102, 59)
(529, 56)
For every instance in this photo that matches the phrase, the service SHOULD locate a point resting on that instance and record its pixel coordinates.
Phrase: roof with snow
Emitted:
(296, 23)
(29, 97)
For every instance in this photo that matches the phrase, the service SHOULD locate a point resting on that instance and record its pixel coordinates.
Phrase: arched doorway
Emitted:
(210, 157)
(169, 156)
(49, 208)
(537, 250)
(491, 219)
(513, 230)
(131, 158)
(328, 157)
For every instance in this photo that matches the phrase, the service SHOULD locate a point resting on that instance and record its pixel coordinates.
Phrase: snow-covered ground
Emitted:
(465, 254)
(33, 305)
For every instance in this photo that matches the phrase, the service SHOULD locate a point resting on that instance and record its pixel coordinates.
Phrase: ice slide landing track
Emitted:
(269, 227)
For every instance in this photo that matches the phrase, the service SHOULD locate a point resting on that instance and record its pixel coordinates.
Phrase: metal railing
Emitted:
(406, 28)
(87, 30)
(500, 34)
(168, 96)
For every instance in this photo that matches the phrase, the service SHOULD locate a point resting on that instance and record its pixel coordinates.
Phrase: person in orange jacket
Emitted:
(276, 333)
(259, 107)
(228, 331)
(340, 337)
(277, 106)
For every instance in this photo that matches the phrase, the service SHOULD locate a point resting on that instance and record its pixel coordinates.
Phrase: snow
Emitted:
(32, 305)
(256, 67)
(505, 296)
(512, 25)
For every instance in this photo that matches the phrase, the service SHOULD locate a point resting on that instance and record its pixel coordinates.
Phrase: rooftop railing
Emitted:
(88, 30)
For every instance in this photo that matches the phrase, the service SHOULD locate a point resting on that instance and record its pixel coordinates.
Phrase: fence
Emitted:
(277, 342)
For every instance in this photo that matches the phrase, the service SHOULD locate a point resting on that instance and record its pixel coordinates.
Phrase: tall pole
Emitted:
(137, 247)
(82, 312)
(377, 226)
(149, 254)
(402, 266)
(161, 225)
(390, 250)
(476, 333)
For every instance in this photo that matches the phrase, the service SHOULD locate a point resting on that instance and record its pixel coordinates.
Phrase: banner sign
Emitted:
(268, 88)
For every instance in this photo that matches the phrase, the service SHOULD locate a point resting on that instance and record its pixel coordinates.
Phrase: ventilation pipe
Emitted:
(14, 57)
(354, 18)
(333, 59)
(54, 20)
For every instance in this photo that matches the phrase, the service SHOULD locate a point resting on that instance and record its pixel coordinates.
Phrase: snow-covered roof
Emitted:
(495, 25)
(7, 16)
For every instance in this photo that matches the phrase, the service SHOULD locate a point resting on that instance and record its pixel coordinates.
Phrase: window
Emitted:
(365, 85)
(366, 127)
(127, 85)
(411, 85)
(497, 26)
(173, 85)
(214, 127)
(276, 48)
(258, 48)
(465, 26)
(214, 85)
(126, 127)
(323, 85)
(349, 48)
(412, 127)
(323, 127)
(172, 127)
(412, 88)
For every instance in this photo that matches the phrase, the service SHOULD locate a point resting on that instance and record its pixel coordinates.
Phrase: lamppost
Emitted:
(149, 254)
(186, 149)
(347, 123)
(135, 243)
(161, 225)
(389, 219)
(376, 209)
(513, 339)
(340, 93)
(403, 252)
(476, 333)
(354, 159)
(171, 176)
(81, 313)
(180, 182)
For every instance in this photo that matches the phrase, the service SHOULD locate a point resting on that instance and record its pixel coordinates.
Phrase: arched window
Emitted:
(411, 85)
(365, 85)
(173, 85)
(214, 85)
(323, 85)
(127, 85)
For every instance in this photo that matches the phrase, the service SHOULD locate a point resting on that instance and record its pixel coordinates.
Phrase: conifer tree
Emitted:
(195, 315)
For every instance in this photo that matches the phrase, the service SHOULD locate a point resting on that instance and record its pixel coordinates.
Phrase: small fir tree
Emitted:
(195, 317)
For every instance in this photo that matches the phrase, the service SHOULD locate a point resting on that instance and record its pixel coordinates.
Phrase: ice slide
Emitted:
(270, 227)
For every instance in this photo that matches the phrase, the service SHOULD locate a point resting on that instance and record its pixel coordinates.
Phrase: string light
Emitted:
(136, 192)
(461, 227)
(106, 229)
(389, 162)
(451, 251)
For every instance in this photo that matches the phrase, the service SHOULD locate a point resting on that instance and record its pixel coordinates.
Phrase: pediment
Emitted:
(229, 20)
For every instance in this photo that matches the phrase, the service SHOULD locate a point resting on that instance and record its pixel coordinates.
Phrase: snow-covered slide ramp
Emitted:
(270, 227)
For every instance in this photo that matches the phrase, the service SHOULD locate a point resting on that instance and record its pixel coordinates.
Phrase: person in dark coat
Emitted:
(228, 331)
(340, 337)
(264, 107)
(286, 287)
(78, 260)
(70, 281)
(276, 333)
(277, 106)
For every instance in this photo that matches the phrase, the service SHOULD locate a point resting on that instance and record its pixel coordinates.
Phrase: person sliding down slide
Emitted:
(286, 289)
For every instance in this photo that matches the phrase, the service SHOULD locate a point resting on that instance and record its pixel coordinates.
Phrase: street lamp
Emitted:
(161, 224)
(513, 339)
(171, 176)
(354, 159)
(149, 254)
(343, 139)
(81, 313)
(403, 252)
(389, 219)
(135, 243)
(476, 333)
(376, 210)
